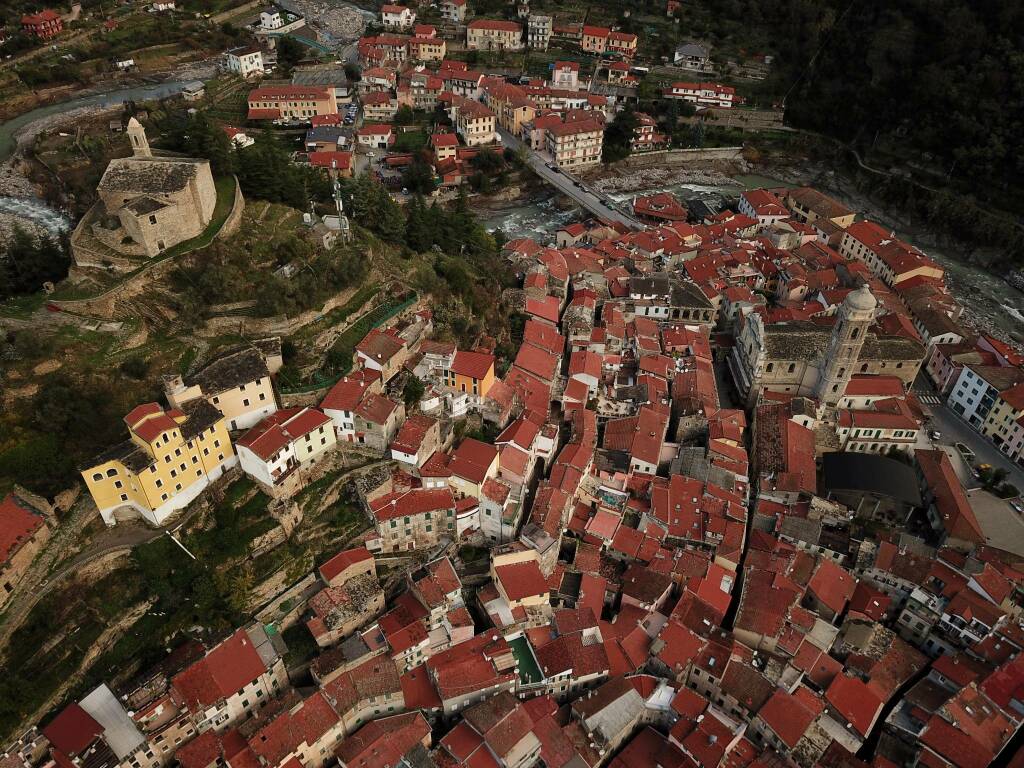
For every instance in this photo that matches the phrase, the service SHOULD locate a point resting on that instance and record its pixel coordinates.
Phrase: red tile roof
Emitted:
(854, 700)
(224, 671)
(305, 723)
(475, 365)
(418, 690)
(789, 715)
(17, 525)
(281, 428)
(72, 730)
(949, 497)
(832, 585)
(521, 580)
(383, 742)
(472, 459)
(495, 24)
(417, 501)
(343, 560)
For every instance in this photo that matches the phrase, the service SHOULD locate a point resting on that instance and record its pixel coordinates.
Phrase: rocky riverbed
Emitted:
(642, 179)
(340, 21)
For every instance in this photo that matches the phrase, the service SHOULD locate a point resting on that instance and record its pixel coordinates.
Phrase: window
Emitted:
(118, 484)
(124, 497)
(245, 402)
(768, 368)
(792, 367)
(97, 476)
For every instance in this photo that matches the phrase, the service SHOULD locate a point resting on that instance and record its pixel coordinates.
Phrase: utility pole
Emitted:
(182, 546)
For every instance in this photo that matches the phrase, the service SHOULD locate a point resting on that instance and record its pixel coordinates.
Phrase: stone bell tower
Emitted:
(855, 317)
(137, 135)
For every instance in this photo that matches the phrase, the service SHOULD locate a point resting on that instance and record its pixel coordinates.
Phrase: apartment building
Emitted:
(889, 258)
(494, 35)
(538, 31)
(169, 459)
(703, 94)
(246, 60)
(287, 441)
(1004, 425)
(233, 680)
(427, 49)
(974, 394)
(397, 18)
(291, 102)
(475, 123)
(414, 519)
(237, 383)
(453, 11)
(575, 144)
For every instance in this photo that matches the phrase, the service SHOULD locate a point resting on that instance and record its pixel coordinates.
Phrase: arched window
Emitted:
(842, 372)
(111, 472)
(855, 333)
(864, 368)
(768, 368)
(792, 367)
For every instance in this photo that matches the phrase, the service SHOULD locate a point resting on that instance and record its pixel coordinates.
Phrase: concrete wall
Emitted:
(683, 156)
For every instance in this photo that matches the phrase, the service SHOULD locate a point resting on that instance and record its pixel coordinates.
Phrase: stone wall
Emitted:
(103, 304)
(277, 325)
(682, 156)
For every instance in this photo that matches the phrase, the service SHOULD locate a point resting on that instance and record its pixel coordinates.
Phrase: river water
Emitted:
(31, 210)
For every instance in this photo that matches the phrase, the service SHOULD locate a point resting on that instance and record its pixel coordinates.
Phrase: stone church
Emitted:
(814, 360)
(149, 204)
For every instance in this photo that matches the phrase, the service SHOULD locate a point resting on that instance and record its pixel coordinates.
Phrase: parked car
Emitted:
(935, 434)
(1017, 505)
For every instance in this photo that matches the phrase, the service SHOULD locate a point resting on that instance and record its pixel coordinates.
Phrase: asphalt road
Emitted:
(954, 430)
(566, 184)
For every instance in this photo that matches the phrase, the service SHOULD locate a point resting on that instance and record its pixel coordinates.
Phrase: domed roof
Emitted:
(862, 299)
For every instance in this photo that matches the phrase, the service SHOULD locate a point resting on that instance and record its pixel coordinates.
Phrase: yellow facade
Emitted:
(470, 385)
(169, 459)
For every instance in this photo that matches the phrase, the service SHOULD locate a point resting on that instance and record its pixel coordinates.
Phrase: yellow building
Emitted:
(1004, 424)
(168, 460)
(237, 383)
(471, 372)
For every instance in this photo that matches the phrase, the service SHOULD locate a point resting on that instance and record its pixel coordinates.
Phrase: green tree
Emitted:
(27, 261)
(289, 53)
(618, 136)
(405, 115)
(412, 391)
(418, 176)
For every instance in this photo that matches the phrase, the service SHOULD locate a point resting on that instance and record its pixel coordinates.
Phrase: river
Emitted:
(24, 208)
(9, 130)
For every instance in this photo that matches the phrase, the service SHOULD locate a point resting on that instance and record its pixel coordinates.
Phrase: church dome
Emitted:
(861, 300)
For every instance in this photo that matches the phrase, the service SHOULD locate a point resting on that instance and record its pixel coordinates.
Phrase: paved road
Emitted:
(954, 429)
(566, 184)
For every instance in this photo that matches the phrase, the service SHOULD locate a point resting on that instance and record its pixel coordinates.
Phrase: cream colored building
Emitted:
(284, 442)
(576, 144)
(169, 459)
(238, 383)
(494, 35)
(475, 123)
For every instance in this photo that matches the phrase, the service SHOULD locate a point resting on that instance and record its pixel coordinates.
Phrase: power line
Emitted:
(817, 52)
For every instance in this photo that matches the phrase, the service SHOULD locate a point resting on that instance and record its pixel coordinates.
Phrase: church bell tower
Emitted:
(855, 317)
